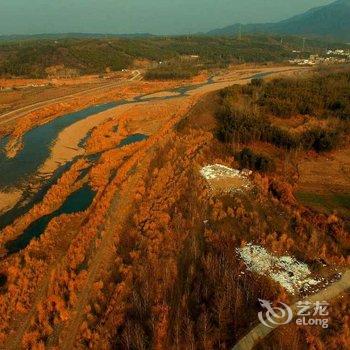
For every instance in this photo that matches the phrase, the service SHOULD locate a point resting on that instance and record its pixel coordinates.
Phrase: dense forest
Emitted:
(32, 58)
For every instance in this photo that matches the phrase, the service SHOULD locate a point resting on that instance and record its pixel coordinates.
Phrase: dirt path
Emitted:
(261, 331)
(14, 342)
(117, 213)
(101, 259)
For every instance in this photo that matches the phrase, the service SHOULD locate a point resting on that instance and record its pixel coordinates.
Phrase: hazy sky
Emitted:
(131, 16)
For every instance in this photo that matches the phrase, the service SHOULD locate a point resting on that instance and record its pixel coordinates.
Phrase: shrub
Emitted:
(257, 82)
(172, 72)
(248, 159)
(326, 97)
(320, 140)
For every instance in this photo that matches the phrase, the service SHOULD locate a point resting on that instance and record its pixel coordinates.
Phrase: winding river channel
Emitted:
(21, 172)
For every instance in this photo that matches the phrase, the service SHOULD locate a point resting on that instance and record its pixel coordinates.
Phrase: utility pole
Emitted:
(304, 41)
(240, 32)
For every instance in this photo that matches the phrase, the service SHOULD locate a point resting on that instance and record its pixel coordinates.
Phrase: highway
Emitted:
(20, 112)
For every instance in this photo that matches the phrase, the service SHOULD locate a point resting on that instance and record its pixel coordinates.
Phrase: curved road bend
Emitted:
(260, 331)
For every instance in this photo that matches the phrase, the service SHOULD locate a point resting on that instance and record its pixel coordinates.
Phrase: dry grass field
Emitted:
(325, 182)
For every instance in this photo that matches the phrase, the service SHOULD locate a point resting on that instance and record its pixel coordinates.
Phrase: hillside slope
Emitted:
(42, 58)
(332, 21)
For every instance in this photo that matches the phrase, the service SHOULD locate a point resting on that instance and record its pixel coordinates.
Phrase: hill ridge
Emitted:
(331, 21)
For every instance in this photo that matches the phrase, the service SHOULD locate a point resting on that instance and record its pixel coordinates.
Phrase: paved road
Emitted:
(260, 331)
(20, 112)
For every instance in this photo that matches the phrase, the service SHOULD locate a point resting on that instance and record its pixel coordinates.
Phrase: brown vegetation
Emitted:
(52, 200)
(152, 263)
(56, 109)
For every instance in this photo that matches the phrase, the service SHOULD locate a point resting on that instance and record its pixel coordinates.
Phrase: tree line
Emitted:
(253, 119)
(31, 58)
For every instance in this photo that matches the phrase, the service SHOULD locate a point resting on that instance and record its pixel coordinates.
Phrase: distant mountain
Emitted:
(330, 21)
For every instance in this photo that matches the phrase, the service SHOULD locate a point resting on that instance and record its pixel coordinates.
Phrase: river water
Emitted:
(36, 147)
(79, 200)
(19, 171)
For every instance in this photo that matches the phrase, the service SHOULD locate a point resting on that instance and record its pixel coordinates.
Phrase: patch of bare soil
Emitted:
(223, 179)
(324, 183)
(326, 173)
(9, 199)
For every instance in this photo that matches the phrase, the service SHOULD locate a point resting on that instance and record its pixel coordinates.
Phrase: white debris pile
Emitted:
(221, 177)
(286, 270)
(215, 171)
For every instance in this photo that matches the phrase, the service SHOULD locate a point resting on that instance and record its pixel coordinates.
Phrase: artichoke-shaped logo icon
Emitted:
(274, 315)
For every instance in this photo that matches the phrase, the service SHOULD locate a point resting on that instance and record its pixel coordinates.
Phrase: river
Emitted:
(20, 171)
